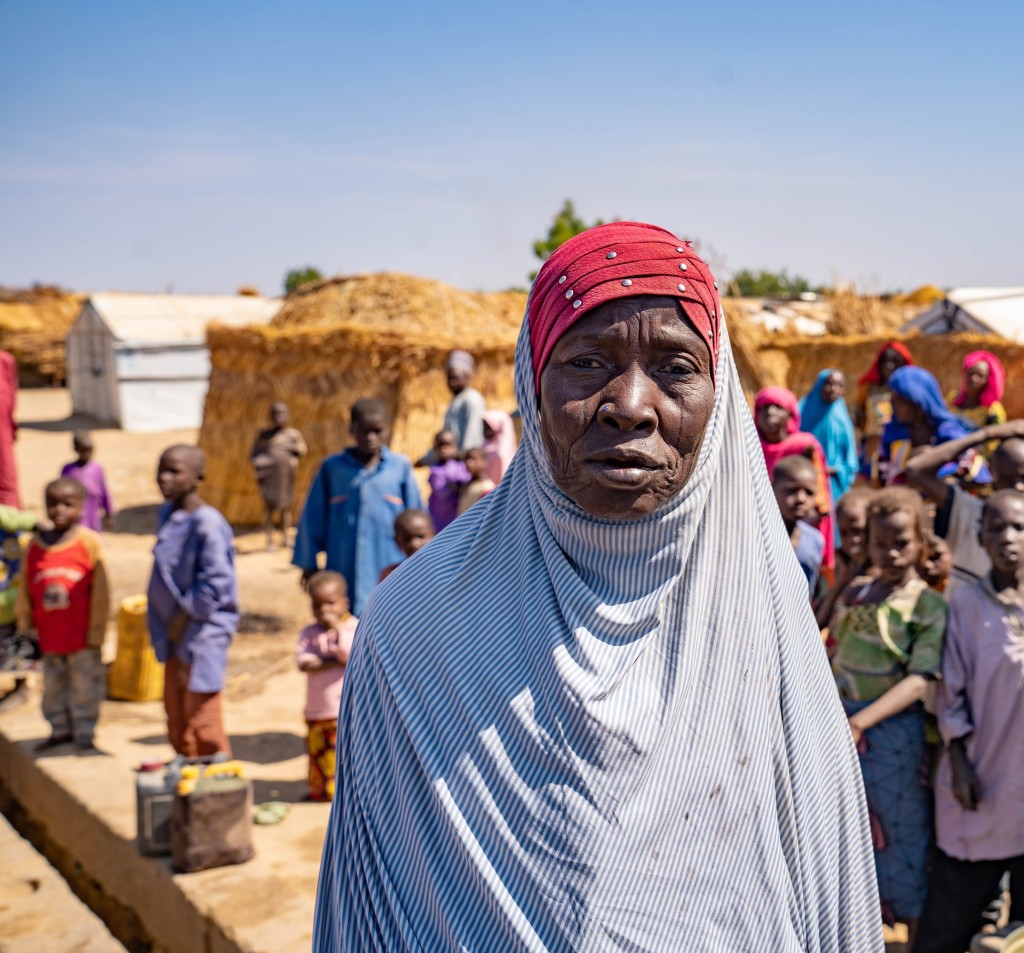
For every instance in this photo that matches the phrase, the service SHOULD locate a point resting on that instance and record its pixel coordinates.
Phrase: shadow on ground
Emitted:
(269, 747)
(291, 792)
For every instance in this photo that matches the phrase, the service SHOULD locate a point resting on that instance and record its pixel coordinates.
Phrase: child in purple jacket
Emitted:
(98, 511)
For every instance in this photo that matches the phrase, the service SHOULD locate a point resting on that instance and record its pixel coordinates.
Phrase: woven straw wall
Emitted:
(320, 373)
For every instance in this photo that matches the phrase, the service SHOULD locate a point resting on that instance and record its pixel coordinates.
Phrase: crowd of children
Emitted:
(922, 617)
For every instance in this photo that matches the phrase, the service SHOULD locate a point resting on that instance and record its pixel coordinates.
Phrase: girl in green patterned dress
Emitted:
(889, 631)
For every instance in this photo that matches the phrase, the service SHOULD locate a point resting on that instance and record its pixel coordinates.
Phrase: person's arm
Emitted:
(311, 532)
(214, 582)
(99, 598)
(106, 503)
(299, 448)
(823, 614)
(473, 424)
(410, 490)
(956, 720)
(23, 605)
(922, 468)
(900, 697)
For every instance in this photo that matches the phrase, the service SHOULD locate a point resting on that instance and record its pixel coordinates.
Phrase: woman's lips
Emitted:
(623, 469)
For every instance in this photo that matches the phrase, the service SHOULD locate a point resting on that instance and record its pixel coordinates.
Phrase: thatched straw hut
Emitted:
(33, 325)
(333, 342)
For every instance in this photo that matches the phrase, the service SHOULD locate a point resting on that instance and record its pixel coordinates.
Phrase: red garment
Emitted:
(8, 429)
(798, 443)
(871, 376)
(993, 390)
(60, 581)
(619, 260)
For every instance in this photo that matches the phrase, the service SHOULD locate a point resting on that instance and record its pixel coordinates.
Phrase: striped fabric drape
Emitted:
(565, 733)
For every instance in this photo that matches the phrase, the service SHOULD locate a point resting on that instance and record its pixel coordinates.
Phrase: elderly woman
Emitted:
(595, 713)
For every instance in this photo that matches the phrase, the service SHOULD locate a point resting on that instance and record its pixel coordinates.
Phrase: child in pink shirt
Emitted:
(322, 653)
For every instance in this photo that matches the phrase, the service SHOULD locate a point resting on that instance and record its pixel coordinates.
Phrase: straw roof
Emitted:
(391, 301)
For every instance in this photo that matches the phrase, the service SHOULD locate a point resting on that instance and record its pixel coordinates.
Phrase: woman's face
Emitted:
(624, 402)
(834, 387)
(771, 420)
(890, 361)
(905, 411)
(977, 378)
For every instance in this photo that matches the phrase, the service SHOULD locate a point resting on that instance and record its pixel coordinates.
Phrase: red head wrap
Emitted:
(872, 375)
(619, 260)
(993, 390)
(780, 397)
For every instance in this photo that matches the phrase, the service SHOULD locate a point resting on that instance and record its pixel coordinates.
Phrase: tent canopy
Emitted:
(975, 310)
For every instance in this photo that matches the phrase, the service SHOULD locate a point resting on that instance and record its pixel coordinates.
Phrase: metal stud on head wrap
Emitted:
(626, 282)
(577, 303)
(610, 255)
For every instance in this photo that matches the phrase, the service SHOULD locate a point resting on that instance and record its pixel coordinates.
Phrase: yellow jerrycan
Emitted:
(135, 675)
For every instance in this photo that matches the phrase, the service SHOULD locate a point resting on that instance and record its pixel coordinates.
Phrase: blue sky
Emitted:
(202, 146)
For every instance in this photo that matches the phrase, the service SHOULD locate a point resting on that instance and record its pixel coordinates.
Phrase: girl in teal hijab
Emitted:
(823, 413)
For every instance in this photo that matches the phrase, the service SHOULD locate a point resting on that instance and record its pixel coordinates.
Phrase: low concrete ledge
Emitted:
(80, 811)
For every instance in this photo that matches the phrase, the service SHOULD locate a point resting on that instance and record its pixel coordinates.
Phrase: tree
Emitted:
(566, 225)
(766, 284)
(300, 276)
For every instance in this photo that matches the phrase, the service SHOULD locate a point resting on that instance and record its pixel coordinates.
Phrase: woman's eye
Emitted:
(585, 362)
(679, 368)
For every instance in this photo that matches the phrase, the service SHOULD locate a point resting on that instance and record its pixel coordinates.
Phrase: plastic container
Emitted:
(135, 675)
(155, 785)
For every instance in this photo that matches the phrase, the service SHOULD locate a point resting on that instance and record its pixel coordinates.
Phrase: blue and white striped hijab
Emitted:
(566, 733)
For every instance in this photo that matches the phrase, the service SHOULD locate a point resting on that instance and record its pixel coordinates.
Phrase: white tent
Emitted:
(978, 310)
(140, 361)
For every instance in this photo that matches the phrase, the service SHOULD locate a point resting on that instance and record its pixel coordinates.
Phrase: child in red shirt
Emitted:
(64, 597)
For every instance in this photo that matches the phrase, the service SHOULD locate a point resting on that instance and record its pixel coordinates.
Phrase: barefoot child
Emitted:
(888, 632)
(795, 482)
(322, 653)
(480, 484)
(193, 604)
(98, 512)
(275, 458)
(413, 530)
(64, 597)
(979, 807)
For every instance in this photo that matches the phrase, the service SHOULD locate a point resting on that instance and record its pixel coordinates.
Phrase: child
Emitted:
(413, 530)
(64, 596)
(979, 807)
(90, 474)
(275, 458)
(448, 475)
(888, 632)
(936, 562)
(480, 484)
(795, 482)
(851, 557)
(193, 604)
(352, 504)
(322, 653)
(18, 654)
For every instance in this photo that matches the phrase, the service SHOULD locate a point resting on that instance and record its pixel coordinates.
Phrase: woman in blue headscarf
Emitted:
(823, 413)
(921, 418)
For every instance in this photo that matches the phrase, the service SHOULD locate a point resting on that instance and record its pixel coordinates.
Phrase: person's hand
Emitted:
(177, 626)
(1006, 431)
(857, 732)
(966, 788)
(331, 619)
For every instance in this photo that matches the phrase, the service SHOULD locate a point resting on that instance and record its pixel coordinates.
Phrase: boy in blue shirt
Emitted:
(352, 504)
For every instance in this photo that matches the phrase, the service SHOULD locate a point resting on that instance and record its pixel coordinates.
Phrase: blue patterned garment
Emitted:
(566, 733)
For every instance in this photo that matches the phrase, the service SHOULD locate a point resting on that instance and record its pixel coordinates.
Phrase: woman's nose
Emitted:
(627, 403)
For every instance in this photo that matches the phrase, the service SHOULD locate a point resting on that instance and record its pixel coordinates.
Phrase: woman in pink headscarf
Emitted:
(777, 417)
(981, 390)
(499, 443)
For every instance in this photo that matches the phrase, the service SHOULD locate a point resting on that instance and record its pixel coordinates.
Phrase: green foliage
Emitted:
(766, 284)
(300, 276)
(567, 224)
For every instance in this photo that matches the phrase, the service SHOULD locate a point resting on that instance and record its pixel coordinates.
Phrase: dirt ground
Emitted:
(272, 603)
